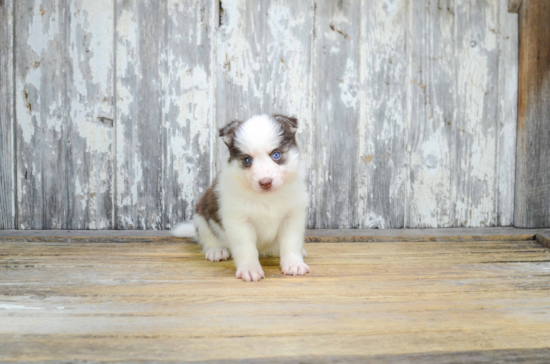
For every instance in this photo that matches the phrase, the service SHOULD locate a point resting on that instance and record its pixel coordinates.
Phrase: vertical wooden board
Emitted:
(139, 138)
(336, 93)
(432, 114)
(476, 127)
(188, 105)
(239, 47)
(89, 125)
(7, 145)
(287, 67)
(380, 159)
(263, 65)
(239, 63)
(532, 198)
(42, 180)
(507, 113)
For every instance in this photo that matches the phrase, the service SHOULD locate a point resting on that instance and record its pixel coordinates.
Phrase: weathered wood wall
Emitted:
(407, 107)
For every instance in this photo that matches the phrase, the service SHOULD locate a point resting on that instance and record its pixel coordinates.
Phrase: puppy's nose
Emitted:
(265, 183)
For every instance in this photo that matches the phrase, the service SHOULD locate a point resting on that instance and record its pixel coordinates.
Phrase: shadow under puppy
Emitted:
(257, 205)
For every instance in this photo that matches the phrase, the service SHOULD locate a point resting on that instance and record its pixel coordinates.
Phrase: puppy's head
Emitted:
(262, 151)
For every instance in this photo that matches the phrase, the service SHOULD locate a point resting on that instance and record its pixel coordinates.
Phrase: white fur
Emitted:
(184, 230)
(257, 222)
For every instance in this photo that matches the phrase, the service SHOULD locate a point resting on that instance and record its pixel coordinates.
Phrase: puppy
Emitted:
(257, 205)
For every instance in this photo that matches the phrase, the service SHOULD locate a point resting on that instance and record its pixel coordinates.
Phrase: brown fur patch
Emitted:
(228, 134)
(208, 206)
(287, 121)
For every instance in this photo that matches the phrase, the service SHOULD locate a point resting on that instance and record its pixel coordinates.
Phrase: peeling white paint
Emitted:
(435, 133)
(47, 25)
(235, 54)
(348, 85)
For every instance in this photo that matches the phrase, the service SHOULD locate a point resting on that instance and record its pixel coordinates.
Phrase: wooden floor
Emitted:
(391, 302)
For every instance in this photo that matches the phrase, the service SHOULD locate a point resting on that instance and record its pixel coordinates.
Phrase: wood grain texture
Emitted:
(140, 144)
(431, 198)
(476, 126)
(7, 117)
(514, 5)
(334, 178)
(42, 114)
(382, 96)
(532, 204)
(239, 62)
(263, 64)
(90, 113)
(64, 88)
(164, 111)
(188, 103)
(507, 118)
(165, 302)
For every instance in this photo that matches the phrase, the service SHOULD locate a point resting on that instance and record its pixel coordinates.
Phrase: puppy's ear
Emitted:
(289, 123)
(228, 132)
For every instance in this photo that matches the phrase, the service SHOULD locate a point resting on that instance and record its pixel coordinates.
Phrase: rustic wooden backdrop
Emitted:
(109, 108)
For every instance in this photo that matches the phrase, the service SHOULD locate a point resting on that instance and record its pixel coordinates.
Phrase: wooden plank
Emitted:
(239, 65)
(478, 300)
(475, 130)
(90, 112)
(381, 156)
(507, 114)
(42, 114)
(514, 5)
(264, 64)
(239, 45)
(364, 235)
(188, 105)
(336, 110)
(140, 145)
(532, 198)
(63, 92)
(7, 145)
(287, 67)
(430, 140)
(164, 145)
(164, 348)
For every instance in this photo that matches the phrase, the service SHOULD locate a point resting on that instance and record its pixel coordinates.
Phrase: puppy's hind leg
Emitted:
(211, 245)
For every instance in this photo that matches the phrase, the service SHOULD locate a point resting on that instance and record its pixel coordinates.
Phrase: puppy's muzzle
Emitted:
(265, 183)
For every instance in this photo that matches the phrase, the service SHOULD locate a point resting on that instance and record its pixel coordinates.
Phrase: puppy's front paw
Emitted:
(294, 268)
(216, 254)
(250, 273)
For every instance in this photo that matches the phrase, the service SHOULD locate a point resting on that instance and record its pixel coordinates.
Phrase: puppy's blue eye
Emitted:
(276, 156)
(247, 161)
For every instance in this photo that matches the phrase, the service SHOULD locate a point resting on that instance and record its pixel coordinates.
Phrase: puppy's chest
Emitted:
(267, 220)
(267, 227)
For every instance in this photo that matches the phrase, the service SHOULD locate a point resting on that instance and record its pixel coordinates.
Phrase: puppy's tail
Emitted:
(184, 230)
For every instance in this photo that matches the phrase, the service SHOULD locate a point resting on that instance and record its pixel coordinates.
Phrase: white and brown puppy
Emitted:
(257, 205)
